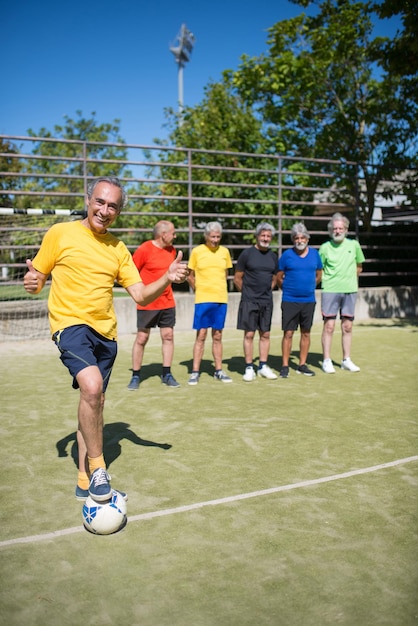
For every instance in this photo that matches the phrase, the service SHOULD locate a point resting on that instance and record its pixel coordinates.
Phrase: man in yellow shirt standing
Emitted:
(85, 260)
(208, 270)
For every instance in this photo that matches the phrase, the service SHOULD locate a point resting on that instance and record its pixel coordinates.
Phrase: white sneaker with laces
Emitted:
(249, 374)
(347, 364)
(327, 366)
(266, 372)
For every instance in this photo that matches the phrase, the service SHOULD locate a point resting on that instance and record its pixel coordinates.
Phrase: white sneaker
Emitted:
(347, 364)
(266, 372)
(249, 374)
(327, 366)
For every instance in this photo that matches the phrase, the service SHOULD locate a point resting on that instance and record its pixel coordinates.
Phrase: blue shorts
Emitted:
(81, 346)
(209, 315)
(334, 303)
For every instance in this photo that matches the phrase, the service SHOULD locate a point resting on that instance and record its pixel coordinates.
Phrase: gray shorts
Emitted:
(334, 303)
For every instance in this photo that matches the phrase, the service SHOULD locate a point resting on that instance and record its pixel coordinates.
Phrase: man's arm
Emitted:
(191, 279)
(280, 278)
(238, 277)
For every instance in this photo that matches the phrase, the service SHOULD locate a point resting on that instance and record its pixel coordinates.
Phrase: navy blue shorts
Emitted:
(209, 315)
(81, 346)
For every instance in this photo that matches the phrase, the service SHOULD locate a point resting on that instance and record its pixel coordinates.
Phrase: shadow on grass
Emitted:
(112, 436)
(395, 322)
(206, 366)
(237, 363)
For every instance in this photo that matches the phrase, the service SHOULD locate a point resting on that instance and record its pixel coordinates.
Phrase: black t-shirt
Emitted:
(259, 267)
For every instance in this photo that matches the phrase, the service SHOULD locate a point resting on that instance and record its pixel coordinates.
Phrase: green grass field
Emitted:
(277, 503)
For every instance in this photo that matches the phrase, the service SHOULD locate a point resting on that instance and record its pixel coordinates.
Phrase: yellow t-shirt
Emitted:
(209, 266)
(84, 267)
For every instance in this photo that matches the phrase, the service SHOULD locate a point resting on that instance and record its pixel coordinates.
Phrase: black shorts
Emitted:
(296, 314)
(254, 316)
(163, 318)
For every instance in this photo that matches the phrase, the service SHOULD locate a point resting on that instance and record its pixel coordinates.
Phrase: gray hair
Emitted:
(265, 226)
(299, 229)
(112, 180)
(337, 217)
(213, 227)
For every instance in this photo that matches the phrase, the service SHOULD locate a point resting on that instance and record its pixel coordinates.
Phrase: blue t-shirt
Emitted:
(299, 275)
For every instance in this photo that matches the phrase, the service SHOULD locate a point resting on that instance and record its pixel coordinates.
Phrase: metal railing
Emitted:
(45, 179)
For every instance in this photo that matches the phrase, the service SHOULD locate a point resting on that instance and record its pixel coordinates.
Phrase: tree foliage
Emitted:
(228, 160)
(319, 94)
(64, 158)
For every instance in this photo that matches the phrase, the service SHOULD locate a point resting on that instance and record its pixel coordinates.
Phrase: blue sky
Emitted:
(113, 58)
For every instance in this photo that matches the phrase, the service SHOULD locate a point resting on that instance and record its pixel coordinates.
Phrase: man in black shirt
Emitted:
(255, 276)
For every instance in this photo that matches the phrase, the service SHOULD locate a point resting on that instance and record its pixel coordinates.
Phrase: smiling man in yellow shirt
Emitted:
(84, 261)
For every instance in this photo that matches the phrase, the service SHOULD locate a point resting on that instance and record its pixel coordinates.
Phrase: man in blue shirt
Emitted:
(300, 271)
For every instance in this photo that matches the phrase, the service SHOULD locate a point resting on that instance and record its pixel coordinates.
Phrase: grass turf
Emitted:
(338, 552)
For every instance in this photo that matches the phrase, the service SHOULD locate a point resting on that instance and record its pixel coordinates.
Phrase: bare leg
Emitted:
(90, 409)
(83, 465)
(248, 346)
(305, 342)
(217, 348)
(286, 347)
(138, 348)
(346, 337)
(264, 345)
(327, 333)
(167, 348)
(199, 348)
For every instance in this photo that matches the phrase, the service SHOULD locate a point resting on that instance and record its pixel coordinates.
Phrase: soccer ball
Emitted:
(105, 518)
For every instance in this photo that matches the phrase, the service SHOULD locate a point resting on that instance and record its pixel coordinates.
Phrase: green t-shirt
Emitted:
(340, 261)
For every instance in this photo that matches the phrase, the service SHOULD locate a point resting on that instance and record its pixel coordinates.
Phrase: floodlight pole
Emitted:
(182, 52)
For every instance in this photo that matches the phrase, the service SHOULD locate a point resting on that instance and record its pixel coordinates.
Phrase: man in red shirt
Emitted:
(152, 259)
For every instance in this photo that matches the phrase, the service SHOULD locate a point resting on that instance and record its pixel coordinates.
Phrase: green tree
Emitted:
(224, 152)
(399, 55)
(321, 95)
(55, 172)
(63, 159)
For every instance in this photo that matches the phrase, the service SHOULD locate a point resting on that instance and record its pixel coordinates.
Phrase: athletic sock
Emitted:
(166, 370)
(261, 363)
(96, 462)
(83, 480)
(136, 373)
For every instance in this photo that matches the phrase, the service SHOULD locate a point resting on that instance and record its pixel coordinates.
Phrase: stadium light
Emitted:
(182, 52)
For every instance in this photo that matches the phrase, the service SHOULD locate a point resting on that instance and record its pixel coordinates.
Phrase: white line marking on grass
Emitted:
(227, 500)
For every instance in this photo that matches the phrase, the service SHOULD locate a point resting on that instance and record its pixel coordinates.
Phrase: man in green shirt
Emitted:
(342, 259)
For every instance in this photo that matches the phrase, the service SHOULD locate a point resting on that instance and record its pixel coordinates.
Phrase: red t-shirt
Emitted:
(152, 262)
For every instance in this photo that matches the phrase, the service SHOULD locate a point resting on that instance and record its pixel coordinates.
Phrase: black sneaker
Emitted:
(304, 369)
(100, 489)
(284, 372)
